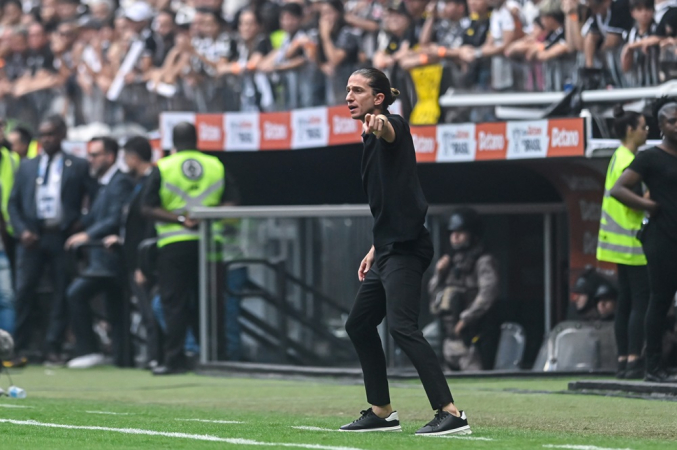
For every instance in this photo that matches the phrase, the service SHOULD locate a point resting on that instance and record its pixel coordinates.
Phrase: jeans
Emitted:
(6, 295)
(236, 279)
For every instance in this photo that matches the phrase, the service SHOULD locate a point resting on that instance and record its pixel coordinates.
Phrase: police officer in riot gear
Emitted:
(463, 291)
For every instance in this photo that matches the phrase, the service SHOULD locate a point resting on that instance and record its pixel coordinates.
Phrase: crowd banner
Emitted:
(328, 126)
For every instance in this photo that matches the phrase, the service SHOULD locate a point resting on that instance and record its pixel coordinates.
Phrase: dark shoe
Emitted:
(659, 376)
(166, 370)
(368, 421)
(635, 370)
(15, 363)
(446, 423)
(620, 369)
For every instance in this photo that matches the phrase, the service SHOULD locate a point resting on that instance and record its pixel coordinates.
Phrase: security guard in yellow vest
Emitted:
(618, 244)
(23, 143)
(184, 180)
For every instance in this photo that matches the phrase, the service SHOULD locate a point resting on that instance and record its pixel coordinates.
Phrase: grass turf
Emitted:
(270, 408)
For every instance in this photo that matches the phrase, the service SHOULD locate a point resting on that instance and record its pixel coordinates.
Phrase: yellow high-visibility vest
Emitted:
(8, 167)
(189, 179)
(618, 227)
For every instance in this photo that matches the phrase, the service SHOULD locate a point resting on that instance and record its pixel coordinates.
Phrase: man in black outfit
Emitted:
(393, 269)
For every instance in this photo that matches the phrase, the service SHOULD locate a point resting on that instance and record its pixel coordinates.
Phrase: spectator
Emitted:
(45, 209)
(9, 162)
(101, 10)
(463, 291)
(393, 42)
(134, 228)
(247, 51)
(639, 62)
(293, 60)
(606, 298)
(505, 26)
(605, 28)
(337, 52)
(583, 295)
(103, 273)
(365, 16)
(11, 13)
(47, 15)
(165, 32)
(67, 10)
(416, 9)
(20, 140)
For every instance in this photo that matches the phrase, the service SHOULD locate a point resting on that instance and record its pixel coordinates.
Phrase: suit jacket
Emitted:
(76, 184)
(105, 218)
(136, 226)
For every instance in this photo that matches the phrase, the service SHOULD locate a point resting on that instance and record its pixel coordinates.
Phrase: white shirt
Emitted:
(502, 20)
(105, 179)
(48, 194)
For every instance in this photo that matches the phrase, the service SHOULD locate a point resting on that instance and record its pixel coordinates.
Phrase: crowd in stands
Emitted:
(124, 62)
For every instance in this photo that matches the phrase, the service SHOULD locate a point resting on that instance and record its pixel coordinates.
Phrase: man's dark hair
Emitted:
(140, 146)
(57, 122)
(184, 136)
(294, 9)
(110, 145)
(662, 106)
(24, 135)
(642, 4)
(379, 83)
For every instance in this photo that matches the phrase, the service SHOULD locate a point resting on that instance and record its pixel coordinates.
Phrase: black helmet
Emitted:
(465, 219)
(588, 282)
(606, 291)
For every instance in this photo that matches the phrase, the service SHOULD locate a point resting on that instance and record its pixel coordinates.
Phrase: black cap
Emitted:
(465, 219)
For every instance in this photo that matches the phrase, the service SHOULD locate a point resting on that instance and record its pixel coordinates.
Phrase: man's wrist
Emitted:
(478, 53)
(181, 219)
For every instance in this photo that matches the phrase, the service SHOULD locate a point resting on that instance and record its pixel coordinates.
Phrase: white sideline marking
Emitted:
(109, 413)
(313, 428)
(582, 447)
(468, 438)
(209, 421)
(197, 437)
(3, 405)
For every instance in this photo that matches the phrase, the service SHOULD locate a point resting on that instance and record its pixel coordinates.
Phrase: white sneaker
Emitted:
(86, 361)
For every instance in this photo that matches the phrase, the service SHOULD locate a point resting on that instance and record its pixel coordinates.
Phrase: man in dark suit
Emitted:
(45, 209)
(135, 228)
(104, 270)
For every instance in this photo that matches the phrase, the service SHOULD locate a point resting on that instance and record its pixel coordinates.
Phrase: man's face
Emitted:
(579, 300)
(360, 97)
(606, 308)
(68, 33)
(164, 26)
(11, 13)
(132, 161)
(397, 23)
(459, 239)
(478, 6)
(416, 8)
(17, 43)
(289, 23)
(66, 10)
(210, 27)
(17, 144)
(669, 123)
(50, 137)
(99, 160)
(248, 27)
(453, 11)
(643, 16)
(100, 11)
(37, 39)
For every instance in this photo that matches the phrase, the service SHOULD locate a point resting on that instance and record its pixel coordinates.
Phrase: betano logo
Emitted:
(490, 141)
(274, 131)
(344, 125)
(209, 132)
(564, 138)
(423, 144)
(534, 131)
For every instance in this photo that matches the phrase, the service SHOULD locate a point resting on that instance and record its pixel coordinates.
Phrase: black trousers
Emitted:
(178, 274)
(660, 251)
(145, 304)
(392, 289)
(80, 294)
(30, 266)
(633, 299)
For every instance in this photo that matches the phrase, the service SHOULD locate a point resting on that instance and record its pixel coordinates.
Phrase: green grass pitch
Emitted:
(107, 408)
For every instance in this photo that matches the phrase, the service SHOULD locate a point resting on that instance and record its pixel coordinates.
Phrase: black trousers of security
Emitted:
(660, 251)
(178, 274)
(392, 289)
(633, 299)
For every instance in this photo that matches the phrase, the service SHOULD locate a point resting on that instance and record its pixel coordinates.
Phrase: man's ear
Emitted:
(379, 99)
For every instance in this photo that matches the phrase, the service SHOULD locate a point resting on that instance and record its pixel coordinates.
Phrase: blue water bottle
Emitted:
(16, 392)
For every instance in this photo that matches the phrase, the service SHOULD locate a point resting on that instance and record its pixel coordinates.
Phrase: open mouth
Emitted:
(352, 108)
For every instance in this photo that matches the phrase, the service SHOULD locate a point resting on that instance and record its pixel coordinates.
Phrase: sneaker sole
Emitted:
(366, 430)
(463, 431)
